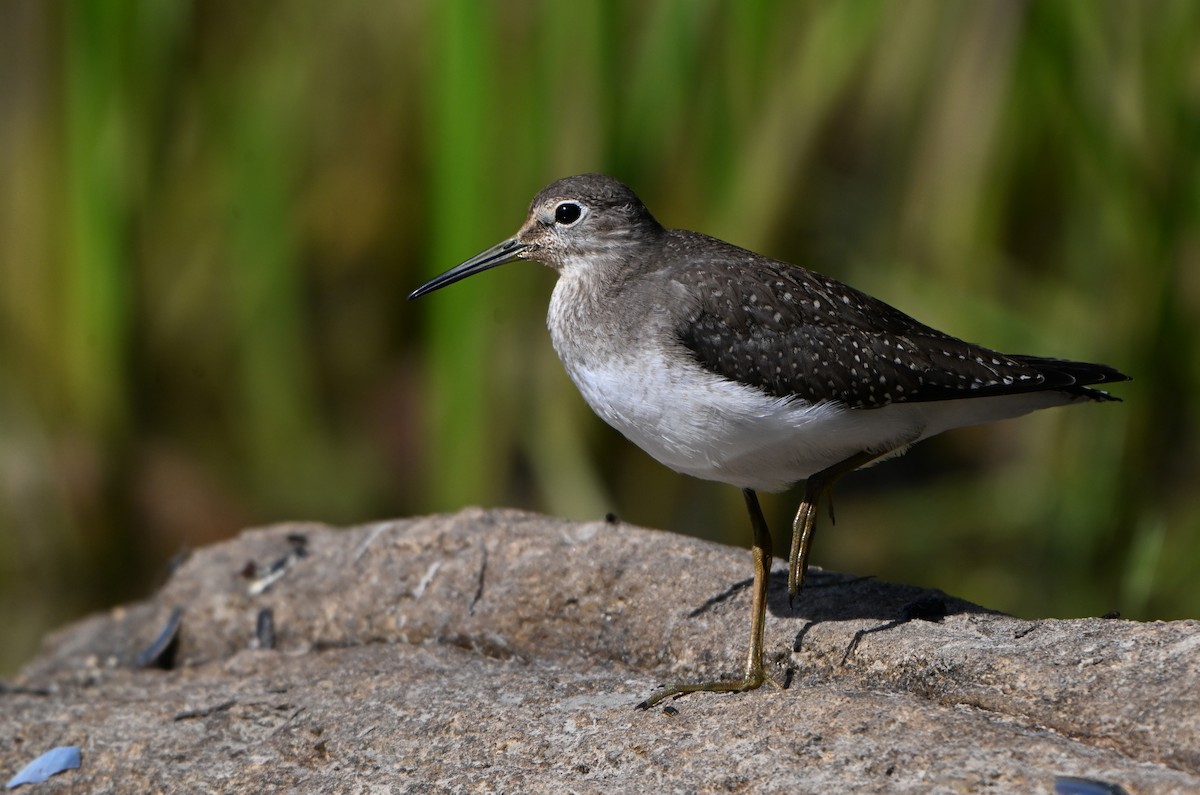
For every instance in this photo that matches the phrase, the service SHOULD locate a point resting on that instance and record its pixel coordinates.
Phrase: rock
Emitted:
(505, 651)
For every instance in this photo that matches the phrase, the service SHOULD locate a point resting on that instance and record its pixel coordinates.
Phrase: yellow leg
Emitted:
(756, 673)
(815, 488)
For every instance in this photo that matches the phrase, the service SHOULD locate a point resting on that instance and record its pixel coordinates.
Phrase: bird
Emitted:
(730, 366)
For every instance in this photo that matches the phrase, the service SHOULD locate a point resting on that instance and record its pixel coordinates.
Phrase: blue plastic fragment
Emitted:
(53, 762)
(1075, 785)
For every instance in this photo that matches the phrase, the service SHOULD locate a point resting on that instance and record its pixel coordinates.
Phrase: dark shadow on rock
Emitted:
(830, 596)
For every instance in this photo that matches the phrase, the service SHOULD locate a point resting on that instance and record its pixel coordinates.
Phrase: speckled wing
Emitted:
(794, 333)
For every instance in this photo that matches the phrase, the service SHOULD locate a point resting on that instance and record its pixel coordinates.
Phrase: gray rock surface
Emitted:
(504, 652)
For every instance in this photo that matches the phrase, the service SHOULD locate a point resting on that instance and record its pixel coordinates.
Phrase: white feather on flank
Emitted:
(718, 430)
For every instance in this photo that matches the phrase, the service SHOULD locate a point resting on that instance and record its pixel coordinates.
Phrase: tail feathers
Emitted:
(1074, 377)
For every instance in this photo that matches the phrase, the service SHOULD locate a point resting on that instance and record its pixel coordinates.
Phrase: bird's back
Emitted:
(795, 333)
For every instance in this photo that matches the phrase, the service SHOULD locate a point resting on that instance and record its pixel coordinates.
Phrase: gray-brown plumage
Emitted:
(730, 366)
(795, 333)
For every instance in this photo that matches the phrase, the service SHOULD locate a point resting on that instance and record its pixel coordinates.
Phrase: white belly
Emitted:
(704, 426)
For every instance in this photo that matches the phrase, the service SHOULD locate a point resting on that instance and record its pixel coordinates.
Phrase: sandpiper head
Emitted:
(571, 220)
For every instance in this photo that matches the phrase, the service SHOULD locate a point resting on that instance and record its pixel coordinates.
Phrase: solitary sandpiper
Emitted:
(730, 366)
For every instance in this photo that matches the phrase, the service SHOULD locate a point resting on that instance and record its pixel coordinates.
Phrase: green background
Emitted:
(210, 214)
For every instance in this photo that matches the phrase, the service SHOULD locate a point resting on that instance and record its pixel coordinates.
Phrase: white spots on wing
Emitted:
(783, 335)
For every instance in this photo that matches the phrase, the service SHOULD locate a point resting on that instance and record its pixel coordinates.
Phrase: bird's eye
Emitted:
(567, 213)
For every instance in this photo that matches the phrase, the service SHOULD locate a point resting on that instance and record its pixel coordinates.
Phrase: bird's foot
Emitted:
(751, 681)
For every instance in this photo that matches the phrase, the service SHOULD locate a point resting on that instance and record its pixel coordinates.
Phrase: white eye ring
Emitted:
(567, 213)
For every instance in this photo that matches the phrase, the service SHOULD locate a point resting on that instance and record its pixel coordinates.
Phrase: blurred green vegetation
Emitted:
(210, 214)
